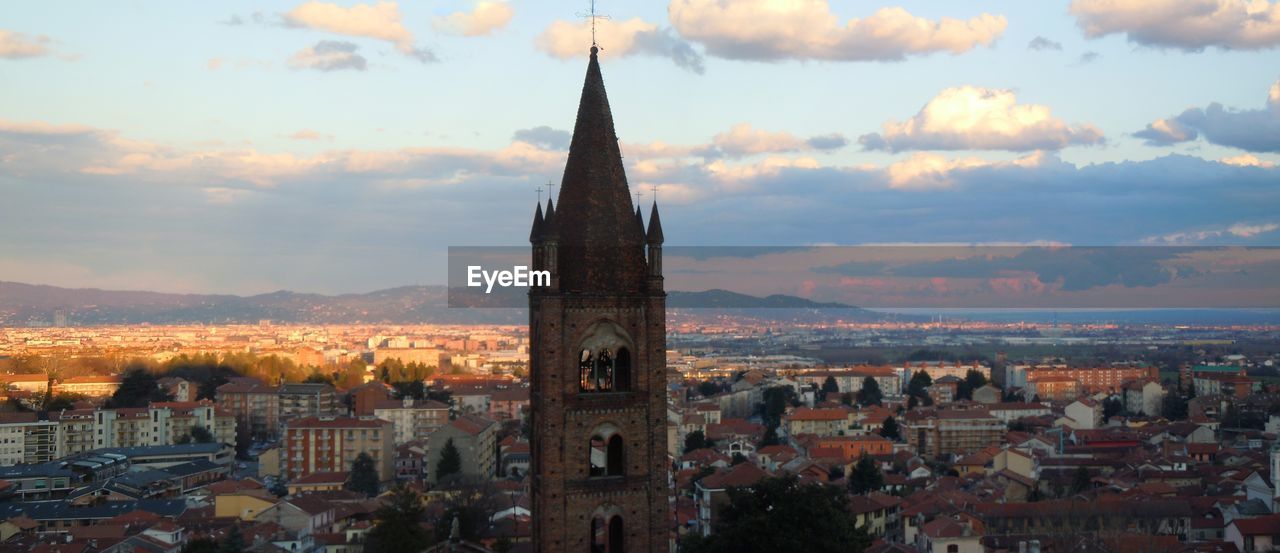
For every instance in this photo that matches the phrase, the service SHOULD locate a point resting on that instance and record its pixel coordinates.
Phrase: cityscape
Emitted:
(258, 291)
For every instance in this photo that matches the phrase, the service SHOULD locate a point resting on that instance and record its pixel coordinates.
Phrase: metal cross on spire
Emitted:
(550, 190)
(539, 194)
(593, 16)
(654, 189)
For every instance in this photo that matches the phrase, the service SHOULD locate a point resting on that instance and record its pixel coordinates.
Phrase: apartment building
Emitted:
(1095, 379)
(475, 437)
(92, 386)
(330, 444)
(953, 432)
(24, 438)
(262, 410)
(412, 419)
(851, 379)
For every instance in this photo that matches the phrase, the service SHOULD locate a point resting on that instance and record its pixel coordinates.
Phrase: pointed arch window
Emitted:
(604, 360)
(607, 453)
(607, 530)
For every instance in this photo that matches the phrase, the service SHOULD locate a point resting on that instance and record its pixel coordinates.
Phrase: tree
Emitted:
(450, 461)
(870, 392)
(918, 386)
(696, 440)
(865, 477)
(776, 400)
(889, 429)
(318, 377)
(412, 389)
(61, 402)
(708, 388)
(782, 514)
(738, 458)
(1174, 407)
(137, 389)
(1081, 481)
(201, 434)
(397, 527)
(829, 386)
(975, 379)
(200, 545)
(364, 475)
(1111, 407)
(234, 542)
(770, 437)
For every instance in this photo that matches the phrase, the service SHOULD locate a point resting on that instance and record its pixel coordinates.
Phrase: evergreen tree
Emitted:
(829, 386)
(870, 392)
(889, 429)
(137, 389)
(1081, 481)
(781, 514)
(696, 440)
(397, 527)
(201, 434)
(364, 475)
(866, 476)
(1174, 407)
(919, 384)
(234, 542)
(200, 545)
(450, 461)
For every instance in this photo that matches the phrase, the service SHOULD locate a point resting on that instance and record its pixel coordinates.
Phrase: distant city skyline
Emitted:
(324, 147)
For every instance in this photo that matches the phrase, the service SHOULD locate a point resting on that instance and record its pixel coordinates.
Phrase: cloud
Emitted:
(380, 21)
(1247, 160)
(219, 195)
(1256, 130)
(214, 64)
(1190, 25)
(17, 46)
(1089, 57)
(329, 55)
(1238, 230)
(486, 18)
(768, 30)
(927, 170)
(634, 36)
(744, 140)
(1042, 43)
(308, 134)
(545, 137)
(974, 118)
(236, 21)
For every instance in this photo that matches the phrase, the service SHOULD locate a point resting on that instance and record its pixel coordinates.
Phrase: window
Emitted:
(606, 452)
(607, 530)
(604, 361)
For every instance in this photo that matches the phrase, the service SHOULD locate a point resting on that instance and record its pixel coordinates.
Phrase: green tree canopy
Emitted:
(866, 476)
(889, 429)
(137, 389)
(696, 440)
(450, 461)
(870, 393)
(364, 475)
(781, 514)
(397, 527)
(830, 386)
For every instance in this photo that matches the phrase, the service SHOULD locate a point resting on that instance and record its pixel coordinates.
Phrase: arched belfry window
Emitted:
(604, 360)
(606, 452)
(607, 530)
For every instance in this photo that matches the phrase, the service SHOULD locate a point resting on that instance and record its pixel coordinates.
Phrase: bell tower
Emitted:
(598, 354)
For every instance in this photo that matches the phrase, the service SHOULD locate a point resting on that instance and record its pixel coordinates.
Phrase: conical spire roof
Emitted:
(655, 226)
(535, 234)
(602, 248)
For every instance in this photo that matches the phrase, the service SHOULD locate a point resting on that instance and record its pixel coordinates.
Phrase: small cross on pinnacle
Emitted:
(550, 190)
(593, 16)
(654, 188)
(539, 195)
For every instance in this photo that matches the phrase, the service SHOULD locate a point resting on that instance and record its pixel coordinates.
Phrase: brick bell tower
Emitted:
(598, 354)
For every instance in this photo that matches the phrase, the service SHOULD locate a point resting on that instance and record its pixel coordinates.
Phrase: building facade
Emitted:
(331, 444)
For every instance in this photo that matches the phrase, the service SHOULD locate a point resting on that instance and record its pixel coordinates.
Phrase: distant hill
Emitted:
(25, 304)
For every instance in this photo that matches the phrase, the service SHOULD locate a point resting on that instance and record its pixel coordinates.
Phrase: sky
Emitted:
(246, 147)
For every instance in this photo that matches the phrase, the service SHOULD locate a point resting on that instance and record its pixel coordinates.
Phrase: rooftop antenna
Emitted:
(593, 16)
